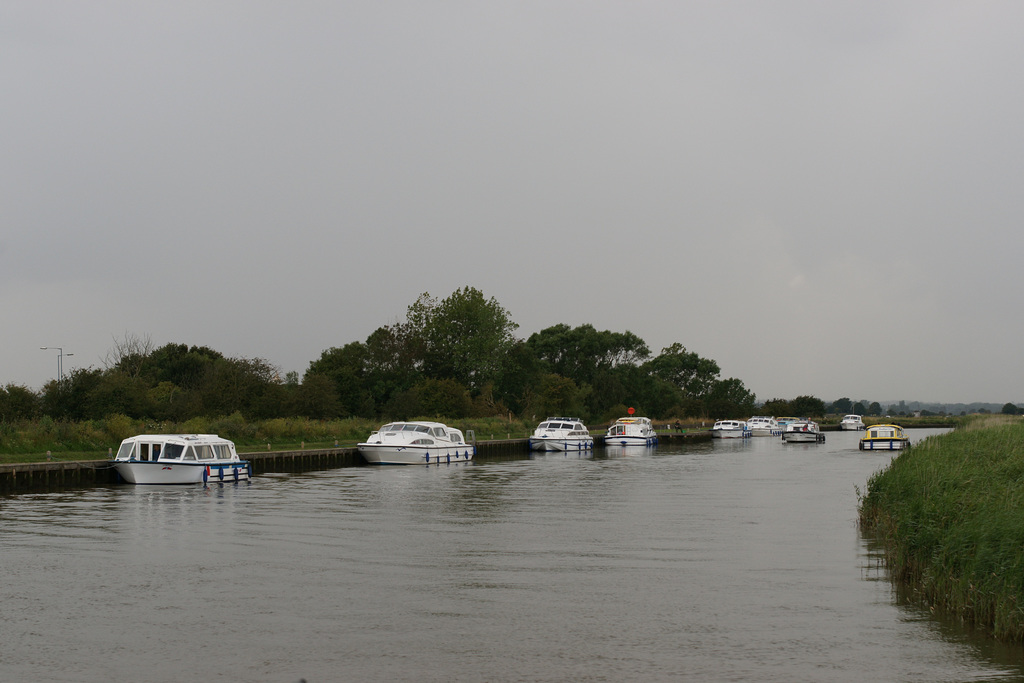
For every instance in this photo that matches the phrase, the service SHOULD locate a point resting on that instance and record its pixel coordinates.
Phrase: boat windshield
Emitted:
(125, 451)
(402, 427)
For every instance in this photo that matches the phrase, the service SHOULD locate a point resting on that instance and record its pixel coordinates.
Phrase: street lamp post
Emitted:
(60, 359)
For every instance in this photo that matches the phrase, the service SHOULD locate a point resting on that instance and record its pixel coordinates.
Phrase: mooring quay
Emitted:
(57, 474)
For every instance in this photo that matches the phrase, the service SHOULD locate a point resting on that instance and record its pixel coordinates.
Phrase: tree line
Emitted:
(456, 357)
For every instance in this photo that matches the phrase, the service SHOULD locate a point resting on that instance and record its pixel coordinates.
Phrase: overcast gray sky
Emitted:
(823, 197)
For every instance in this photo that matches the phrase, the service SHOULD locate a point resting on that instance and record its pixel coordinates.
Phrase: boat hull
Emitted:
(384, 454)
(556, 444)
(803, 437)
(177, 473)
(729, 433)
(627, 440)
(884, 444)
(765, 431)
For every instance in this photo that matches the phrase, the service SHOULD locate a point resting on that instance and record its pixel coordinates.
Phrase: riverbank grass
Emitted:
(950, 514)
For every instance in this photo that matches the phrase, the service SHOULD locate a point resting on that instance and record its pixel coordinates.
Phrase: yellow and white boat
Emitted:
(884, 438)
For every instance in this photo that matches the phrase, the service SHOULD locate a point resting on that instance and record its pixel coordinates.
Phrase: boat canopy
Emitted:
(884, 432)
(559, 425)
(156, 447)
(402, 427)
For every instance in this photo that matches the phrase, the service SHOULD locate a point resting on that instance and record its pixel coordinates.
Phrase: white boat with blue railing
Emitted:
(179, 459)
(729, 429)
(416, 443)
(631, 431)
(561, 434)
(760, 425)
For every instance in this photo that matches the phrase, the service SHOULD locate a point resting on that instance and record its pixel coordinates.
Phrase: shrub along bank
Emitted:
(950, 514)
(31, 440)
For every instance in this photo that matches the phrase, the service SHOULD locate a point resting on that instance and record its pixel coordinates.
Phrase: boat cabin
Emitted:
(435, 430)
(183, 448)
(885, 432)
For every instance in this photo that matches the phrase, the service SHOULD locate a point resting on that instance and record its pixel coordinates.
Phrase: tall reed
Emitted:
(950, 514)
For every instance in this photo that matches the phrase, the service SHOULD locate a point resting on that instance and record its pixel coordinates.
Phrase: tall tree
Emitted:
(129, 354)
(465, 337)
(695, 376)
(18, 403)
(581, 353)
(729, 398)
(777, 407)
(842, 406)
(808, 406)
(346, 370)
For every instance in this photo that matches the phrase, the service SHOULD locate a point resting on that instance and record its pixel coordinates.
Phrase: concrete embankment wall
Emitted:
(57, 475)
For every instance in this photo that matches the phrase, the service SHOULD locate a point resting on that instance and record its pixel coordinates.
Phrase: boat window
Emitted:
(386, 428)
(544, 425)
(423, 442)
(125, 451)
(204, 452)
(223, 451)
(420, 428)
(189, 454)
(172, 451)
(455, 437)
(438, 432)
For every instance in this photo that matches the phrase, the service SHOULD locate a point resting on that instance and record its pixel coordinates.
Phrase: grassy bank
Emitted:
(39, 440)
(31, 441)
(950, 513)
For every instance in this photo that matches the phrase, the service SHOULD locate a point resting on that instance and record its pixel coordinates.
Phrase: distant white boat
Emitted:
(416, 443)
(851, 423)
(179, 459)
(631, 431)
(803, 431)
(561, 434)
(763, 426)
(729, 429)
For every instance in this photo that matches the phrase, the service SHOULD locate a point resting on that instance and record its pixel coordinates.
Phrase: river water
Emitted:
(736, 560)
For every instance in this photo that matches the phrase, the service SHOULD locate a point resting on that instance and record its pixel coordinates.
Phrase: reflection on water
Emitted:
(729, 560)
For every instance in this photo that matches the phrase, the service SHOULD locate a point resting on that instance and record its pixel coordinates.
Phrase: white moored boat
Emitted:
(561, 434)
(416, 443)
(631, 431)
(729, 429)
(763, 426)
(803, 431)
(179, 459)
(851, 423)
